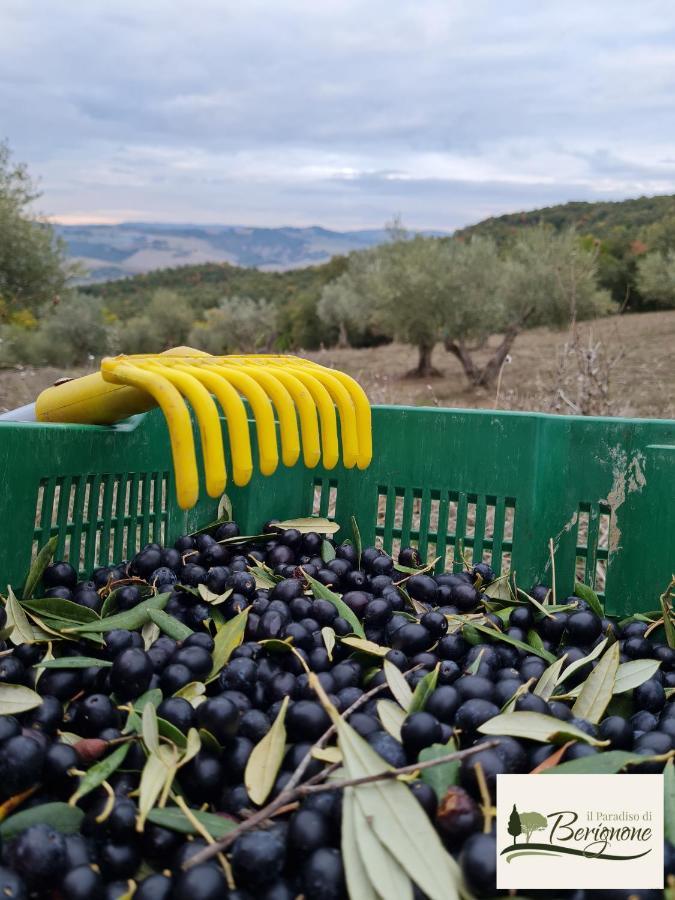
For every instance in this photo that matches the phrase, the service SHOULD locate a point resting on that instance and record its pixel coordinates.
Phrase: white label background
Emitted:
(585, 795)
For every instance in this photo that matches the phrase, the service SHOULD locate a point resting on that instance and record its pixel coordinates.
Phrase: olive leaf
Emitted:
(543, 608)
(537, 727)
(59, 816)
(358, 544)
(632, 674)
(150, 632)
(391, 716)
(522, 689)
(549, 678)
(38, 566)
(608, 763)
(174, 818)
(499, 589)
(580, 663)
(423, 690)
(443, 776)
(17, 698)
(263, 579)
(588, 594)
(514, 642)
(171, 733)
(327, 551)
(309, 523)
(149, 729)
(156, 779)
(398, 685)
(22, 630)
(329, 755)
(58, 608)
(668, 798)
(597, 690)
(266, 758)
(212, 598)
(192, 692)
(322, 592)
(193, 745)
(131, 619)
(365, 646)
(134, 722)
(328, 636)
(397, 819)
(475, 665)
(224, 515)
(228, 638)
(209, 742)
(666, 601)
(284, 646)
(48, 657)
(169, 625)
(381, 866)
(356, 875)
(73, 662)
(534, 641)
(99, 773)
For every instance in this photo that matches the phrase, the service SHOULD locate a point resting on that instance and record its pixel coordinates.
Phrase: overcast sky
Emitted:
(338, 112)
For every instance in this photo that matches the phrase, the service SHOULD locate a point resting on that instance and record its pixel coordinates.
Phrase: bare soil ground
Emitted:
(638, 351)
(634, 361)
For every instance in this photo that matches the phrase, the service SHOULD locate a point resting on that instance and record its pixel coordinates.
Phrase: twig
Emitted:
(305, 789)
(289, 793)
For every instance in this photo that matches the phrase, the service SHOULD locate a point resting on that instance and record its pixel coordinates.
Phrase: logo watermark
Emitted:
(579, 831)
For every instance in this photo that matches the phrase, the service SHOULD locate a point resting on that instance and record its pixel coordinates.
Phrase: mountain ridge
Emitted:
(110, 252)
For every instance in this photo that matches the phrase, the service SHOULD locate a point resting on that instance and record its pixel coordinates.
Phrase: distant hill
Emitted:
(117, 251)
(603, 219)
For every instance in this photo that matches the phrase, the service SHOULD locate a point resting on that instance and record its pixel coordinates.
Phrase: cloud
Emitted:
(342, 112)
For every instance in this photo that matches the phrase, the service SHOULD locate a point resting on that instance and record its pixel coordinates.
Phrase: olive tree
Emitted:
(340, 307)
(165, 323)
(70, 332)
(397, 289)
(236, 325)
(33, 270)
(656, 278)
(546, 278)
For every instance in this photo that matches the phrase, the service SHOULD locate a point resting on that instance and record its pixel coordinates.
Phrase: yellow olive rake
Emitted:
(296, 390)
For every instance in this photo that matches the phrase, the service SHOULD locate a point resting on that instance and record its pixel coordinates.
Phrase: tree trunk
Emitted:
(343, 337)
(486, 376)
(491, 371)
(424, 367)
(458, 349)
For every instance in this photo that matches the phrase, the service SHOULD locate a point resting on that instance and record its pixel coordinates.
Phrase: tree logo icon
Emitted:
(525, 823)
(515, 826)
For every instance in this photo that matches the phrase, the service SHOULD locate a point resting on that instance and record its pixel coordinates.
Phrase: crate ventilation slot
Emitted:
(592, 544)
(101, 518)
(442, 522)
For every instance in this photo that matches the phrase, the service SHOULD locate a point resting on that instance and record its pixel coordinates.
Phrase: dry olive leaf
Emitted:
(266, 758)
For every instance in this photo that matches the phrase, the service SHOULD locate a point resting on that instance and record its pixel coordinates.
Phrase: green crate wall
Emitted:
(495, 485)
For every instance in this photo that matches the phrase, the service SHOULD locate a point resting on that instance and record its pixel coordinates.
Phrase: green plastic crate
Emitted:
(498, 485)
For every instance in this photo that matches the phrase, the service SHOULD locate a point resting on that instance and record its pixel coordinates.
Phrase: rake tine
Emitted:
(283, 403)
(235, 418)
(177, 418)
(363, 414)
(309, 420)
(327, 417)
(268, 453)
(208, 419)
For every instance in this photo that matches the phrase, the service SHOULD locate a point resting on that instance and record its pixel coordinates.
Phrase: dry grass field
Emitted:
(634, 363)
